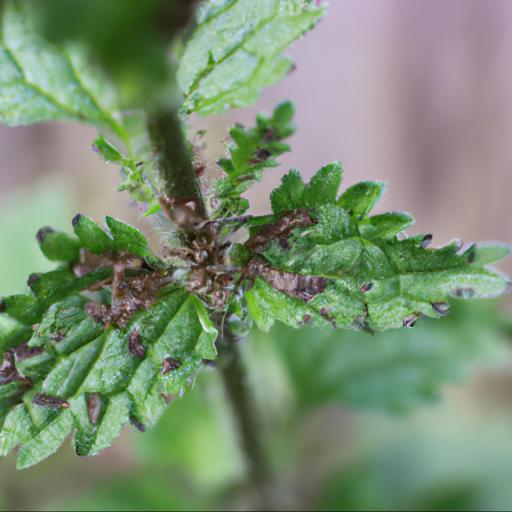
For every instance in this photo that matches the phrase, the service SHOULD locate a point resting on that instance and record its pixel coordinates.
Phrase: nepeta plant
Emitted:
(117, 331)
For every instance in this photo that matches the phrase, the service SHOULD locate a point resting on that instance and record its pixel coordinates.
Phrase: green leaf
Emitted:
(92, 236)
(324, 185)
(345, 270)
(387, 225)
(289, 195)
(57, 246)
(362, 197)
(486, 253)
(251, 151)
(90, 367)
(42, 82)
(127, 238)
(235, 51)
(24, 308)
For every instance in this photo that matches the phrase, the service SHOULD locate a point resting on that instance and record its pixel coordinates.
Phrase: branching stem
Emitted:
(179, 180)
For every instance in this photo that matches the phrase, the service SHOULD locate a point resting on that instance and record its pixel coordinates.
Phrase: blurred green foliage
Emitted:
(47, 202)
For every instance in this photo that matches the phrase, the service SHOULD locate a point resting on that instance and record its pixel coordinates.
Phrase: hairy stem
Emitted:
(234, 376)
(177, 173)
(179, 180)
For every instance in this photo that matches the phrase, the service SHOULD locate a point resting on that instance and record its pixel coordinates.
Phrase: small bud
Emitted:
(135, 345)
(32, 278)
(307, 319)
(93, 407)
(366, 287)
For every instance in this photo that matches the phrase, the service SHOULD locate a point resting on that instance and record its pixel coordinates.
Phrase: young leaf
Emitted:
(289, 195)
(41, 82)
(57, 246)
(362, 197)
(251, 151)
(235, 51)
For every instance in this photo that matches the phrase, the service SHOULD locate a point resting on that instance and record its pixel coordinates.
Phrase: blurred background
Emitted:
(411, 92)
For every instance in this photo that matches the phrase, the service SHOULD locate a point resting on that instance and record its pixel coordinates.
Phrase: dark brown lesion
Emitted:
(170, 364)
(94, 405)
(49, 401)
(135, 345)
(9, 371)
(301, 286)
(279, 230)
(130, 294)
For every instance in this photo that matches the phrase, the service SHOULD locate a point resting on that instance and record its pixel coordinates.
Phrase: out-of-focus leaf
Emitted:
(392, 371)
(42, 82)
(236, 50)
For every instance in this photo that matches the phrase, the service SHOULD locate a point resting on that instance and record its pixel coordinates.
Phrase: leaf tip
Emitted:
(43, 233)
(76, 219)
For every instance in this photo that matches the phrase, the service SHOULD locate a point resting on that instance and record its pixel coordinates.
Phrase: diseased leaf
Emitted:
(235, 51)
(41, 82)
(350, 271)
(72, 365)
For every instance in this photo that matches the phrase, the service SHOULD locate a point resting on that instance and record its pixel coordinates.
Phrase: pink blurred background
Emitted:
(417, 93)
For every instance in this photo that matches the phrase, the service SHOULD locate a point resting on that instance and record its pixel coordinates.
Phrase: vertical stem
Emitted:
(234, 376)
(174, 159)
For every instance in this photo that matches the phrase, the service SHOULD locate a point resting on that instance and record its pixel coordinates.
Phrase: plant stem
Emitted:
(177, 173)
(179, 179)
(234, 376)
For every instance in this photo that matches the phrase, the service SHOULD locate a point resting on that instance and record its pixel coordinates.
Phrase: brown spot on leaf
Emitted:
(441, 308)
(170, 364)
(366, 287)
(51, 402)
(411, 320)
(135, 345)
(426, 241)
(93, 407)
